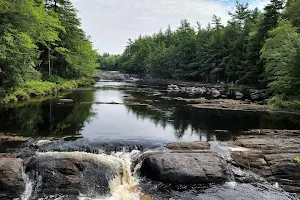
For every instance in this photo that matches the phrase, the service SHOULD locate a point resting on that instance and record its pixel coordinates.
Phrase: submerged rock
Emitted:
(183, 168)
(12, 184)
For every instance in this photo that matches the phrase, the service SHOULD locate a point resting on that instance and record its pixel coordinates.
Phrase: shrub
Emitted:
(54, 79)
(285, 103)
(297, 160)
(39, 88)
(67, 85)
(9, 99)
(21, 95)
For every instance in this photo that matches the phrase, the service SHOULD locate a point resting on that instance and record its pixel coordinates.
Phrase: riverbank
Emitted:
(34, 89)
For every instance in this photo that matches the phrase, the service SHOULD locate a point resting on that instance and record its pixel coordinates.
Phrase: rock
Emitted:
(12, 184)
(238, 95)
(7, 138)
(71, 173)
(201, 90)
(183, 168)
(247, 101)
(41, 143)
(157, 94)
(255, 96)
(188, 146)
(173, 87)
(215, 93)
(270, 154)
(66, 100)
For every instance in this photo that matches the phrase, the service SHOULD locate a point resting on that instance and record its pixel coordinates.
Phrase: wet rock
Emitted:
(12, 184)
(71, 174)
(188, 146)
(183, 168)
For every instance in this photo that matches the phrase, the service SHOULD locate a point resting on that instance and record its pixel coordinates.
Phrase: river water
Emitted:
(142, 116)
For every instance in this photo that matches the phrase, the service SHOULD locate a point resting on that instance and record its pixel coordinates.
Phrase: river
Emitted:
(139, 115)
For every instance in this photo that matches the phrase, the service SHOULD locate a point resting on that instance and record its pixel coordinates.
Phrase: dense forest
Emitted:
(41, 40)
(257, 48)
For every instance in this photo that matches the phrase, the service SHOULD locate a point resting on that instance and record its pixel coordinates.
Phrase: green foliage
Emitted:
(38, 34)
(281, 52)
(292, 12)
(297, 160)
(285, 103)
(38, 88)
(42, 88)
(213, 54)
(108, 62)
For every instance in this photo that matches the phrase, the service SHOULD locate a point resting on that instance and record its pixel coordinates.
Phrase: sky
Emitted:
(110, 23)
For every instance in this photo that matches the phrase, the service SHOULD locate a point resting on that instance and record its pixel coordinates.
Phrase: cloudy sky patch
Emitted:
(110, 23)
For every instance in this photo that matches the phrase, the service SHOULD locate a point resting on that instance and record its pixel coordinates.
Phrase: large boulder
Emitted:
(12, 184)
(184, 168)
(71, 173)
(238, 95)
(215, 93)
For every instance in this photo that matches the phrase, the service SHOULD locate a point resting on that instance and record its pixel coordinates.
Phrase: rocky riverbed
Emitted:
(68, 169)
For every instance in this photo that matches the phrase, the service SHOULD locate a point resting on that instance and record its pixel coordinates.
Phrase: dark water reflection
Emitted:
(158, 119)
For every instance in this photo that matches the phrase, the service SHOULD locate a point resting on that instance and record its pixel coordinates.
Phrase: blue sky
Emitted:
(110, 23)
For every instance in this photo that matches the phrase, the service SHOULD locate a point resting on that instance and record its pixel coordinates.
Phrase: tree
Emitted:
(281, 52)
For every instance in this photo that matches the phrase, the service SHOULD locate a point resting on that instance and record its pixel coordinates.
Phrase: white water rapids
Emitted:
(124, 186)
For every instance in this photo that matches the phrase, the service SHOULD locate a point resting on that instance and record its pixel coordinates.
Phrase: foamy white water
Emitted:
(28, 187)
(122, 187)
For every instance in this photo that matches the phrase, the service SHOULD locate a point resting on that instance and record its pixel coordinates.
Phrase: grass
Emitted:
(43, 88)
(297, 160)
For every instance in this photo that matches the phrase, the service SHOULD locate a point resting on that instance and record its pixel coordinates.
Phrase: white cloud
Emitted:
(112, 22)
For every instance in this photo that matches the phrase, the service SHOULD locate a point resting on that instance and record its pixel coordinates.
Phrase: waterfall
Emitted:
(28, 186)
(124, 186)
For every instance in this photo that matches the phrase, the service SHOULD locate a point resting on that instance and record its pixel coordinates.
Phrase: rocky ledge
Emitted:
(271, 154)
(261, 155)
(12, 184)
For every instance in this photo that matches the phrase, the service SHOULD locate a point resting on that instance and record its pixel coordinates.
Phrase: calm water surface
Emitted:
(156, 119)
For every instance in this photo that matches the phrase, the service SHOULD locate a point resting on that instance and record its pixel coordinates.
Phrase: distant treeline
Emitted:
(254, 48)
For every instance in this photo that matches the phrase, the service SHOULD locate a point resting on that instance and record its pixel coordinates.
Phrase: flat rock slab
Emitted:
(184, 168)
(271, 154)
(188, 146)
(12, 184)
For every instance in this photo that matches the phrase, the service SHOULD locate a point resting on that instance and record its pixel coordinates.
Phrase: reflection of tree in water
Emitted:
(205, 122)
(48, 118)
